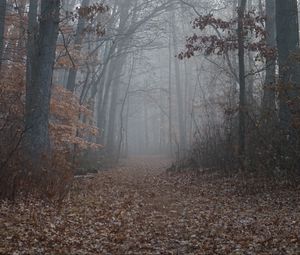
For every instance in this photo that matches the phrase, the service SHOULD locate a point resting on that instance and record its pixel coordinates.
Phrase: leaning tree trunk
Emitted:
(289, 68)
(242, 80)
(41, 56)
(2, 28)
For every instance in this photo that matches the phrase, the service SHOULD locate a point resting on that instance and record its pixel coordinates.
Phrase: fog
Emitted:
(108, 80)
(156, 101)
(149, 100)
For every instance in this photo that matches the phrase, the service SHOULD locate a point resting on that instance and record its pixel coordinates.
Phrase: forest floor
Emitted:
(138, 208)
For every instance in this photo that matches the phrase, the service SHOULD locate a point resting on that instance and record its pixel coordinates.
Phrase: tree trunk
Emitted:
(146, 123)
(170, 98)
(2, 28)
(126, 127)
(181, 121)
(289, 69)
(103, 98)
(121, 130)
(242, 80)
(71, 83)
(41, 57)
(260, 6)
(113, 106)
(120, 61)
(250, 75)
(268, 101)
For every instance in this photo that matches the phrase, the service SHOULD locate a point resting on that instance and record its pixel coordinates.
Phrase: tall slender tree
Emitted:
(242, 80)
(181, 121)
(250, 67)
(120, 61)
(170, 129)
(2, 27)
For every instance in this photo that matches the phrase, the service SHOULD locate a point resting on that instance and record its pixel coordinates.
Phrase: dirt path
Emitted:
(139, 209)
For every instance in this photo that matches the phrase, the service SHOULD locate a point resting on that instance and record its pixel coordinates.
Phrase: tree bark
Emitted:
(170, 98)
(120, 61)
(146, 123)
(268, 101)
(242, 80)
(113, 107)
(2, 28)
(250, 75)
(41, 57)
(121, 129)
(181, 120)
(287, 29)
(103, 99)
(71, 83)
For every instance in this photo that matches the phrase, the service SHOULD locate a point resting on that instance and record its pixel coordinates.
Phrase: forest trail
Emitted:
(137, 208)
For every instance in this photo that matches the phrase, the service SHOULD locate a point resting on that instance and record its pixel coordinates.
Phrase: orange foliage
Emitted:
(69, 128)
(71, 124)
(66, 126)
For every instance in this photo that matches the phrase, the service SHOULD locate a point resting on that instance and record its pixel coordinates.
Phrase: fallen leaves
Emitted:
(139, 209)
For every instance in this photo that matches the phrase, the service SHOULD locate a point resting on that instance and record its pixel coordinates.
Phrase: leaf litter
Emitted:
(138, 208)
